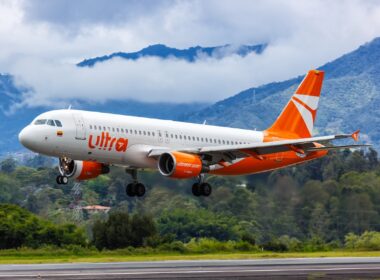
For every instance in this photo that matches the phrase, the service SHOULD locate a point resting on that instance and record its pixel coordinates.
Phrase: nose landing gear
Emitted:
(62, 180)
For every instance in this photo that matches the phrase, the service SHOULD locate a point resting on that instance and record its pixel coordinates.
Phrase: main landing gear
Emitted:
(201, 187)
(135, 188)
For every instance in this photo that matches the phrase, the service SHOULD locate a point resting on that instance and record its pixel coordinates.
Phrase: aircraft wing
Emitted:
(258, 150)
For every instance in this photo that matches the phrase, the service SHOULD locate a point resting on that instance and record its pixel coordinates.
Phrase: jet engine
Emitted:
(181, 165)
(81, 170)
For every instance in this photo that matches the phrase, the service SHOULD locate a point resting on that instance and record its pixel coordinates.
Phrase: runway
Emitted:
(305, 268)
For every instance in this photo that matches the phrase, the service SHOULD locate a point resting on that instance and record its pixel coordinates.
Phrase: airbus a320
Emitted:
(88, 143)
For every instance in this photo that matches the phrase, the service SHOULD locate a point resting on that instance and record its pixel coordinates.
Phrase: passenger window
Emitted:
(58, 123)
(51, 122)
(152, 133)
(90, 126)
(122, 130)
(117, 129)
(144, 132)
(148, 133)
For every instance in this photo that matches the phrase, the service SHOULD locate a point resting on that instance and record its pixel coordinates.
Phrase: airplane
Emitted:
(88, 143)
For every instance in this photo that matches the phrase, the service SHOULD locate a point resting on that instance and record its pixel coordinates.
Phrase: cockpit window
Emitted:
(41, 121)
(58, 123)
(51, 122)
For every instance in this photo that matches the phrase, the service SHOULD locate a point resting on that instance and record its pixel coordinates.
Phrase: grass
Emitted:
(28, 256)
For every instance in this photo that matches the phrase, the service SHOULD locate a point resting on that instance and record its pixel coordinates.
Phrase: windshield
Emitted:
(48, 122)
(39, 122)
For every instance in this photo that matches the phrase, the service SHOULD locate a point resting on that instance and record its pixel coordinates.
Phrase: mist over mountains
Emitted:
(190, 54)
(350, 96)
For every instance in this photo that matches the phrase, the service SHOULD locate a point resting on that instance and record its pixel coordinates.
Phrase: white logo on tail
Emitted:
(311, 103)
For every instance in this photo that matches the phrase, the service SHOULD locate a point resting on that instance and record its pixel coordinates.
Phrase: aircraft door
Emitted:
(80, 127)
(159, 135)
(166, 137)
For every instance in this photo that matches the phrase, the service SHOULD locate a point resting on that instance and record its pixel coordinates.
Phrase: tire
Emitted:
(205, 189)
(196, 189)
(64, 180)
(130, 189)
(139, 189)
(59, 180)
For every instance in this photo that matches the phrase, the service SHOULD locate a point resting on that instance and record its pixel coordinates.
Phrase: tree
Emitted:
(121, 230)
(8, 165)
(19, 227)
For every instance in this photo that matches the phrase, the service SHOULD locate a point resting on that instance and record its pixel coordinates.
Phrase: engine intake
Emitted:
(181, 165)
(81, 170)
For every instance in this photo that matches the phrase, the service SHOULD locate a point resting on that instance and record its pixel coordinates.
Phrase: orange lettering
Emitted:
(121, 145)
(90, 145)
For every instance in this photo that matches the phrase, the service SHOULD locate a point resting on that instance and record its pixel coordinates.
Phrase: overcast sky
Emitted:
(41, 40)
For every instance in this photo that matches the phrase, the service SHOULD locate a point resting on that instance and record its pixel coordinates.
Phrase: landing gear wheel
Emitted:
(135, 189)
(64, 180)
(139, 189)
(130, 189)
(196, 189)
(59, 180)
(205, 189)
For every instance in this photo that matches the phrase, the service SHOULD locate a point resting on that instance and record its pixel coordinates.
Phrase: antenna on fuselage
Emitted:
(69, 107)
(205, 122)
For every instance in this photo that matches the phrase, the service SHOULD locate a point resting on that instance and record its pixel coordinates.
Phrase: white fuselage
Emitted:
(122, 140)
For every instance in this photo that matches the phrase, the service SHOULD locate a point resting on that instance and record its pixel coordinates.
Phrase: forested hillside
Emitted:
(349, 101)
(309, 205)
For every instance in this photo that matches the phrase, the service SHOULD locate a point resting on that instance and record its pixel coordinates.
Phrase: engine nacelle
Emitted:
(81, 170)
(180, 165)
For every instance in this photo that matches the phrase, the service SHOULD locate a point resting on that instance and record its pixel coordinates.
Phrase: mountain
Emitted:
(190, 54)
(350, 98)
(11, 124)
(10, 94)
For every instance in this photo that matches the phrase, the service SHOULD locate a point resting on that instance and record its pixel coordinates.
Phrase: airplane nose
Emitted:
(25, 137)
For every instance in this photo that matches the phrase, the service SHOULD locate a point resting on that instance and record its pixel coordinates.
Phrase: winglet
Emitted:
(355, 135)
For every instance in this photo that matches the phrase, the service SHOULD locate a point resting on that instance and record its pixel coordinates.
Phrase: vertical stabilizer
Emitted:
(297, 118)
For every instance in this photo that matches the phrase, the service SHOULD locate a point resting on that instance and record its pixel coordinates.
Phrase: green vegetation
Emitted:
(327, 205)
(121, 231)
(18, 228)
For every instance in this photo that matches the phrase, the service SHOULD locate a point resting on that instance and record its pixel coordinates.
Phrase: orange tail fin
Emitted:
(297, 118)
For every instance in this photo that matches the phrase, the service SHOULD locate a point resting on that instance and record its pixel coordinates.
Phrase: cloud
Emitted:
(42, 40)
